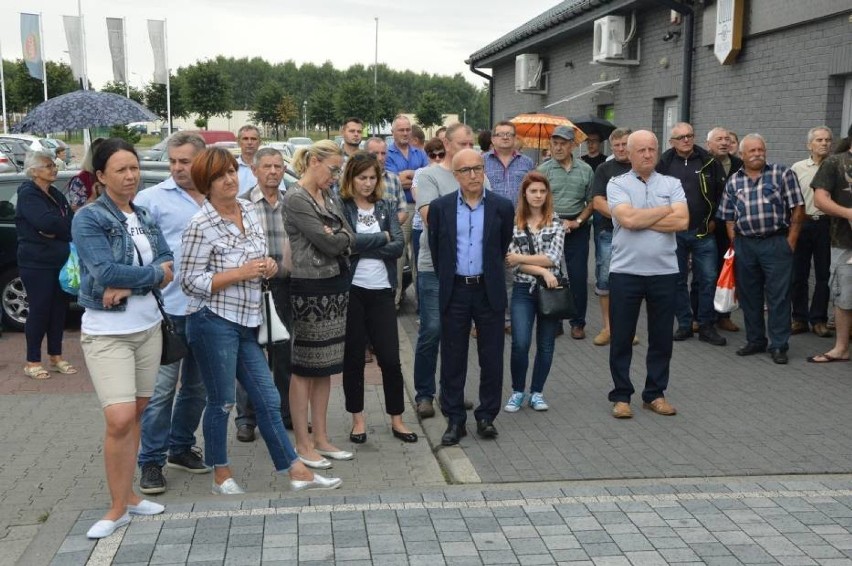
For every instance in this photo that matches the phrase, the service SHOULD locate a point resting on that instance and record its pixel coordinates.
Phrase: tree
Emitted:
(121, 89)
(321, 109)
(29, 92)
(288, 112)
(206, 90)
(354, 98)
(266, 103)
(155, 99)
(428, 111)
(125, 133)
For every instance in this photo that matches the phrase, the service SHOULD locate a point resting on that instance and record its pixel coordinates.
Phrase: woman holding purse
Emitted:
(223, 261)
(534, 255)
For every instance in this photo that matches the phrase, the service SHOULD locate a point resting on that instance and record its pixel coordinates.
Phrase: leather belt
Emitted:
(764, 236)
(470, 279)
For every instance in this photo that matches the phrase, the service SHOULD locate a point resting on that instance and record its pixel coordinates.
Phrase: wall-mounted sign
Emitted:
(729, 30)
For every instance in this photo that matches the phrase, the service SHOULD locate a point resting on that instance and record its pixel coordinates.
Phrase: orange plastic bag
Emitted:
(725, 299)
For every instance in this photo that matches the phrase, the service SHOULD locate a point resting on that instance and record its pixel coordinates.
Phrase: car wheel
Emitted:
(14, 300)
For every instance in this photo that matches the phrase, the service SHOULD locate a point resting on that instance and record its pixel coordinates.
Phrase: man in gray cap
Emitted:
(571, 183)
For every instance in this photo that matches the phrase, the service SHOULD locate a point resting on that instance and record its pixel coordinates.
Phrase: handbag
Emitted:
(69, 275)
(556, 302)
(174, 345)
(725, 299)
(272, 329)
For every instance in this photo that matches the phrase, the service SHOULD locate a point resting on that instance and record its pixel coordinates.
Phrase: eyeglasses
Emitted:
(48, 166)
(476, 169)
(335, 171)
(437, 154)
(504, 135)
(684, 137)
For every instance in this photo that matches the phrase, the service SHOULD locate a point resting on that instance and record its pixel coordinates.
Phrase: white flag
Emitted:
(157, 34)
(115, 33)
(74, 35)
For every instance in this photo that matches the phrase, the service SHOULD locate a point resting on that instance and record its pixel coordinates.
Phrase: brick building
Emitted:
(794, 69)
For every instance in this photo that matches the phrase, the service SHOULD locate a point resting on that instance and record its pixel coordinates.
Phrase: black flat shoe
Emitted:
(359, 438)
(751, 348)
(453, 434)
(404, 436)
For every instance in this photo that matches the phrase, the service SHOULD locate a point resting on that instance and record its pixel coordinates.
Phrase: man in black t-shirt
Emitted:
(616, 166)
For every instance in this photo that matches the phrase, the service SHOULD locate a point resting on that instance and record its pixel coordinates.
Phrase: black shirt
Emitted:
(603, 174)
(594, 162)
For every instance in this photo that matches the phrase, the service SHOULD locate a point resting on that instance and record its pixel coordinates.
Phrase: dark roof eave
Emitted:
(578, 14)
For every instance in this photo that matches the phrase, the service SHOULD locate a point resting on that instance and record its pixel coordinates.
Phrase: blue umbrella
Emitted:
(83, 109)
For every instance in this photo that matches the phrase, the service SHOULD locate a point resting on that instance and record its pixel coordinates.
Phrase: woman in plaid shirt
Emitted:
(223, 261)
(534, 255)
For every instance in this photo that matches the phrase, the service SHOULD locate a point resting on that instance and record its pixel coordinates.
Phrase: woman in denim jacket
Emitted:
(124, 260)
(372, 313)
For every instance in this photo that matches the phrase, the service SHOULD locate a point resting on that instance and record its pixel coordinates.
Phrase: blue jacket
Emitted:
(43, 226)
(108, 256)
(376, 246)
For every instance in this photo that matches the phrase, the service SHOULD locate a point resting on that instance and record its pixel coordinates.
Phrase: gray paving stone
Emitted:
(452, 550)
(170, 553)
(427, 560)
(646, 558)
(352, 553)
(678, 555)
(289, 553)
(204, 552)
(490, 541)
(528, 546)
(592, 537)
(632, 543)
(133, 553)
(78, 558)
(498, 557)
(316, 552)
(751, 554)
(213, 535)
(173, 535)
(428, 547)
(601, 549)
(279, 541)
(709, 549)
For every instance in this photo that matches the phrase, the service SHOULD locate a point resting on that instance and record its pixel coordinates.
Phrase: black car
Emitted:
(13, 296)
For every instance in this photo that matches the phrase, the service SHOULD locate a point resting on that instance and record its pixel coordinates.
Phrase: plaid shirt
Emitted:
(506, 181)
(393, 191)
(272, 219)
(212, 245)
(763, 207)
(548, 241)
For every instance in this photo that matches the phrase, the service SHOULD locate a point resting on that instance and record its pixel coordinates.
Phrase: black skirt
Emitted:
(319, 324)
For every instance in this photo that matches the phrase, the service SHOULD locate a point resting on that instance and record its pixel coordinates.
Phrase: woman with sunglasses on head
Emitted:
(534, 255)
(372, 314)
(434, 149)
(320, 243)
(223, 261)
(43, 225)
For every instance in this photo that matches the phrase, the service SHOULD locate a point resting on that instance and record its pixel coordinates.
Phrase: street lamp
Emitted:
(305, 117)
(464, 115)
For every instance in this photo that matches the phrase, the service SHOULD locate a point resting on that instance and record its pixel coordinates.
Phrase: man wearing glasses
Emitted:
(703, 180)
(505, 167)
(469, 234)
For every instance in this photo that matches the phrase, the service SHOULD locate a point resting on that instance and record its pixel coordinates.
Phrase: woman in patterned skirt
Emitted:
(320, 242)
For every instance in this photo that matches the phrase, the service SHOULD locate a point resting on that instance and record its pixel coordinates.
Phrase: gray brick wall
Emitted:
(782, 84)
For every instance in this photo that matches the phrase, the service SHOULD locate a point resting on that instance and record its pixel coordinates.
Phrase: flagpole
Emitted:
(43, 57)
(3, 93)
(87, 136)
(168, 76)
(126, 57)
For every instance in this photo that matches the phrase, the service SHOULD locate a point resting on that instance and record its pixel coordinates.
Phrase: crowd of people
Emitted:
(484, 231)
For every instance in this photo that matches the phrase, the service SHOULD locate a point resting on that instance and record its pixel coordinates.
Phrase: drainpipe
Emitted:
(688, 33)
(490, 80)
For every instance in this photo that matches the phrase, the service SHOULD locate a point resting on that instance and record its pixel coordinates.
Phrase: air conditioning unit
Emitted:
(609, 39)
(528, 72)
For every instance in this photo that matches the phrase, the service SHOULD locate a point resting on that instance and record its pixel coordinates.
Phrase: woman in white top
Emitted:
(124, 259)
(372, 313)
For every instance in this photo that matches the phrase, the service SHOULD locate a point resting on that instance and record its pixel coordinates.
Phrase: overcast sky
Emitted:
(434, 36)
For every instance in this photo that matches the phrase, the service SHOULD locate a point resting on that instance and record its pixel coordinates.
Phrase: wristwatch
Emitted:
(579, 221)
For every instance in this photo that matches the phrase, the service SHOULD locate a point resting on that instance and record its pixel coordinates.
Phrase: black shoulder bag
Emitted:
(557, 302)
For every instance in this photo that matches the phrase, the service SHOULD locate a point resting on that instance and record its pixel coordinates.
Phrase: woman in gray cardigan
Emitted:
(320, 242)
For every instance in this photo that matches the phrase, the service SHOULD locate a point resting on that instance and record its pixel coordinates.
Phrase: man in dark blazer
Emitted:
(469, 234)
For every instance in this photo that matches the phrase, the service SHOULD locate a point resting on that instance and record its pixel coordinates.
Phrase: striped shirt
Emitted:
(272, 220)
(762, 207)
(212, 245)
(547, 241)
(393, 191)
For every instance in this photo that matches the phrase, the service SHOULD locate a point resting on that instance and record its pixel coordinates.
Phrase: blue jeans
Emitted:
(523, 316)
(577, 265)
(227, 353)
(703, 251)
(169, 421)
(603, 257)
(428, 337)
(765, 265)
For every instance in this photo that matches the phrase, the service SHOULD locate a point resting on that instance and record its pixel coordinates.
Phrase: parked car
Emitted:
(17, 149)
(298, 142)
(285, 148)
(7, 163)
(158, 151)
(13, 296)
(32, 142)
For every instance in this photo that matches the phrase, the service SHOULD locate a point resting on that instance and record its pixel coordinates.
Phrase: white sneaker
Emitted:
(145, 507)
(538, 403)
(513, 405)
(227, 487)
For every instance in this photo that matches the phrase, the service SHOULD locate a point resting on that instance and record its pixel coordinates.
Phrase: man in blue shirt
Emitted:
(249, 139)
(469, 235)
(169, 425)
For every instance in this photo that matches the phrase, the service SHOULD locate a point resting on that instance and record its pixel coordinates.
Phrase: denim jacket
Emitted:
(377, 246)
(108, 256)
